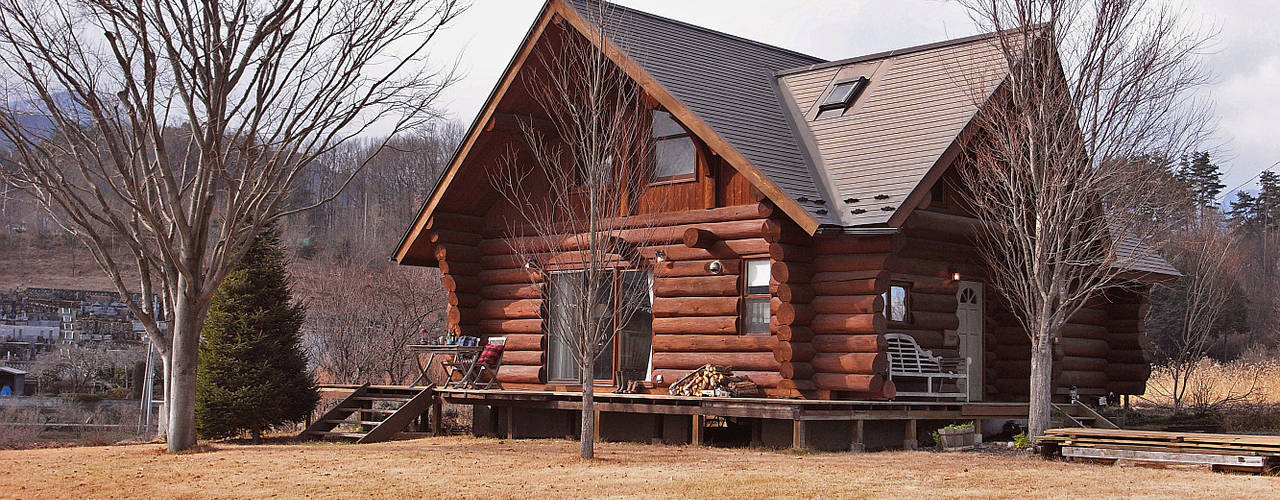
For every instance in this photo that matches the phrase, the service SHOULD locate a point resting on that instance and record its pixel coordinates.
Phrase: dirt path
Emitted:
(468, 467)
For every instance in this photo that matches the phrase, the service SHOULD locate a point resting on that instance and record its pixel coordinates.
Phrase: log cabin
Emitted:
(817, 213)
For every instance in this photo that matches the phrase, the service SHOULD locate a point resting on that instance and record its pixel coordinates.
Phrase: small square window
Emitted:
(758, 276)
(842, 95)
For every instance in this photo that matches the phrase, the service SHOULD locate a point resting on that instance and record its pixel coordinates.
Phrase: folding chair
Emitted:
(462, 363)
(490, 361)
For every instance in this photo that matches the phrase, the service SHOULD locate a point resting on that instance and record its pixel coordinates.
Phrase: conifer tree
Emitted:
(253, 373)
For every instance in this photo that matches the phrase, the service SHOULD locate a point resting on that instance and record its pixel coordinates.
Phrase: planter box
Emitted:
(958, 439)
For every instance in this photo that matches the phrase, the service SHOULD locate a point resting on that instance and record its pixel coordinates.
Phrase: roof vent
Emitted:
(887, 209)
(858, 211)
(851, 200)
(842, 94)
(882, 197)
(820, 211)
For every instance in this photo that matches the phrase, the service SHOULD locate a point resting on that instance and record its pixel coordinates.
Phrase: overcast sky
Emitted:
(1245, 59)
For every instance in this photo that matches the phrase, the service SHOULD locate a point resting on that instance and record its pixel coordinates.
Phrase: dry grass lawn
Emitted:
(469, 467)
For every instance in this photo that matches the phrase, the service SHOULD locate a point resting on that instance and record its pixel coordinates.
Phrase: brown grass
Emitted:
(1256, 382)
(469, 467)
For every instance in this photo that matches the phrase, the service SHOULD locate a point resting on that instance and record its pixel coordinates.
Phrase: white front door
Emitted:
(969, 312)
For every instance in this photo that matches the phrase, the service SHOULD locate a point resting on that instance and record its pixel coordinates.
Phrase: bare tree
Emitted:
(1090, 86)
(575, 189)
(180, 129)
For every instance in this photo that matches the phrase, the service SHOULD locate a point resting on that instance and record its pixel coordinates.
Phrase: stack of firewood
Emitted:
(713, 377)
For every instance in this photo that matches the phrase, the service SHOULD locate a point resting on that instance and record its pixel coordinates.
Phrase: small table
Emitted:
(436, 349)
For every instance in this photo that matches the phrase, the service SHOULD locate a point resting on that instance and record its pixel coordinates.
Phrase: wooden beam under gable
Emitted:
(691, 121)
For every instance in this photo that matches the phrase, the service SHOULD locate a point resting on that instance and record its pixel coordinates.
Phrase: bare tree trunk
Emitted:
(1041, 398)
(182, 387)
(588, 437)
(162, 417)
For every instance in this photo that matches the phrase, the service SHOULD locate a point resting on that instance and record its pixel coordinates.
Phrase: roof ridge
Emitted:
(818, 60)
(889, 53)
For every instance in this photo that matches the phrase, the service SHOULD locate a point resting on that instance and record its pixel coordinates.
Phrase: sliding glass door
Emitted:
(573, 306)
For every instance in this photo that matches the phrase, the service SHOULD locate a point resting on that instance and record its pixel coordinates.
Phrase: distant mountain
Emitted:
(33, 116)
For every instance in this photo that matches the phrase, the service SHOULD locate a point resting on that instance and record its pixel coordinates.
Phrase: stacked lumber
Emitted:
(1219, 451)
(719, 379)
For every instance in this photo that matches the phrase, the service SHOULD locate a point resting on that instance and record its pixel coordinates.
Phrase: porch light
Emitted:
(659, 255)
(955, 274)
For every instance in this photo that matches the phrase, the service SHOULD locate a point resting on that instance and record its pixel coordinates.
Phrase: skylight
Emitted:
(841, 96)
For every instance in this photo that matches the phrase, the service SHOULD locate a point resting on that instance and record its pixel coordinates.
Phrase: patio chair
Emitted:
(462, 364)
(490, 361)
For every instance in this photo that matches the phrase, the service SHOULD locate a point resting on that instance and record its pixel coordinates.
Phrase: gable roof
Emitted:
(727, 82)
(886, 147)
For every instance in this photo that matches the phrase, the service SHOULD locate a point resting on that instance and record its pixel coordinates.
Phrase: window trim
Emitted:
(859, 85)
(746, 295)
(697, 153)
(906, 303)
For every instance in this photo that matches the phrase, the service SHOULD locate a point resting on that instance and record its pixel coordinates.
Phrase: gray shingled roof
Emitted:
(726, 81)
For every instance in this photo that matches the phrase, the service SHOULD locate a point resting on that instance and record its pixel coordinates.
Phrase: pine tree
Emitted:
(253, 373)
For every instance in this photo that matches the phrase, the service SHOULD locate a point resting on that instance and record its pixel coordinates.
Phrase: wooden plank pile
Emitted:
(1238, 452)
(714, 378)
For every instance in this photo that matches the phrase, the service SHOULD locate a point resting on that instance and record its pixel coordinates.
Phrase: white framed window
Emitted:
(755, 297)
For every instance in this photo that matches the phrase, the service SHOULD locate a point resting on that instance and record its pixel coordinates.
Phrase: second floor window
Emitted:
(673, 149)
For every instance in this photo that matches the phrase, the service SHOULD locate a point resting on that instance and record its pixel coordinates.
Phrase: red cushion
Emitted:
(491, 354)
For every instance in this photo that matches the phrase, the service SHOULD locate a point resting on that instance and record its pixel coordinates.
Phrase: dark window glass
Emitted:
(840, 97)
(756, 297)
(674, 152)
(757, 317)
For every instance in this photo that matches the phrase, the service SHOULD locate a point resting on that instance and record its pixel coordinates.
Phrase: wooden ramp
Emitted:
(380, 411)
(1238, 452)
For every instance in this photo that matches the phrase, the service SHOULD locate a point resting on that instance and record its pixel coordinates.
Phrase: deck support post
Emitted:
(493, 420)
(695, 434)
(437, 407)
(910, 442)
(757, 432)
(595, 429)
(799, 438)
(977, 430)
(511, 422)
(856, 444)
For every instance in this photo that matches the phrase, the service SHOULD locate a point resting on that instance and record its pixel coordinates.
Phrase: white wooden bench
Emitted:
(908, 360)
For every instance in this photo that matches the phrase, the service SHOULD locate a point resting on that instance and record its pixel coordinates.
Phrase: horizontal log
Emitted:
(525, 341)
(511, 309)
(795, 293)
(1126, 311)
(794, 314)
(714, 325)
(1127, 356)
(848, 382)
(790, 272)
(1127, 372)
(714, 343)
(452, 221)
(765, 378)
(1012, 369)
(534, 358)
(688, 268)
(920, 248)
(848, 324)
(1077, 330)
(699, 238)
(851, 262)
(850, 283)
(941, 226)
(928, 339)
(790, 333)
(512, 291)
(497, 327)
(459, 253)
(837, 304)
(851, 244)
(707, 286)
(784, 231)
(508, 276)
(1070, 378)
(1012, 387)
(660, 234)
(1092, 348)
(731, 249)
(934, 302)
(751, 361)
(1077, 363)
(729, 230)
(670, 307)
(796, 370)
(793, 351)
(683, 217)
(457, 315)
(926, 320)
(1090, 316)
(928, 284)
(460, 284)
(436, 236)
(783, 252)
(867, 363)
(463, 299)
(1013, 352)
(460, 268)
(848, 343)
(522, 374)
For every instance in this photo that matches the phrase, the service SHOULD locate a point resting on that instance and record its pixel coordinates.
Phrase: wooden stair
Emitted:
(1077, 414)
(404, 404)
